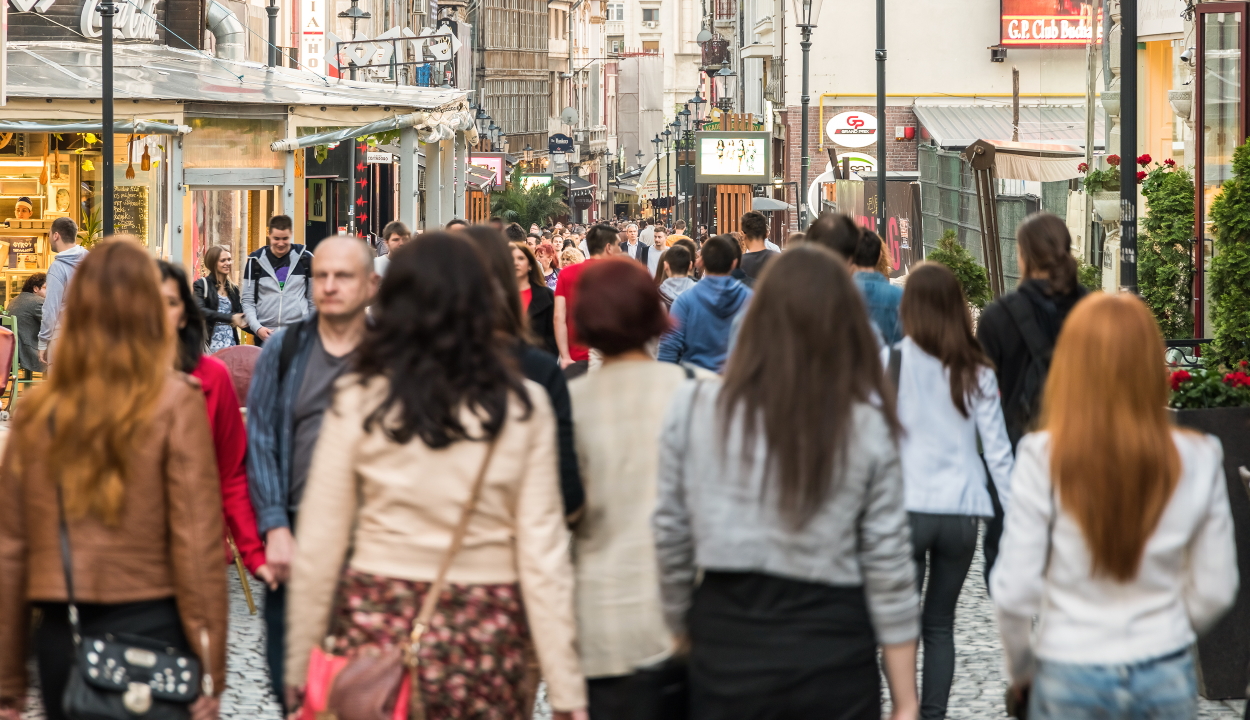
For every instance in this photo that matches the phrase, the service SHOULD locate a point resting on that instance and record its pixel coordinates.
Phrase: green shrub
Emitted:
(1165, 269)
(973, 278)
(1089, 276)
(1230, 267)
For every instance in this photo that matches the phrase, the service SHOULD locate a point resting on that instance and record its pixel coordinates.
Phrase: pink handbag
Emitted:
(323, 668)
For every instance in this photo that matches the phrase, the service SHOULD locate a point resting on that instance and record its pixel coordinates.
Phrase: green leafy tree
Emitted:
(537, 205)
(1230, 268)
(973, 278)
(1165, 252)
(1089, 276)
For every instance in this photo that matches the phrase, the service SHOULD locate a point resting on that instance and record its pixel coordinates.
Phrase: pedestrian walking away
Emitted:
(783, 491)
(292, 388)
(574, 356)
(629, 655)
(109, 499)
(704, 315)
(881, 297)
(1018, 332)
(277, 291)
(947, 401)
(1119, 536)
(438, 440)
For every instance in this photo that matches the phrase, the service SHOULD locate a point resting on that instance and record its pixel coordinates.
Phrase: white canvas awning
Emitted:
(1025, 161)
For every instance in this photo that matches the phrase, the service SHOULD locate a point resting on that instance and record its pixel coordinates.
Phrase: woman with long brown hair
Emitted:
(947, 400)
(782, 486)
(219, 299)
(117, 444)
(537, 300)
(1119, 535)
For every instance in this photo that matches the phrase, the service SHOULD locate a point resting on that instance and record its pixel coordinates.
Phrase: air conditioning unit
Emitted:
(650, 23)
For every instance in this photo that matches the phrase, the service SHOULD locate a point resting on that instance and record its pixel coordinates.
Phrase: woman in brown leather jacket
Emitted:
(127, 441)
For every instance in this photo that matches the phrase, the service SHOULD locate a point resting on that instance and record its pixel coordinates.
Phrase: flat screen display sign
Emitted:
(1040, 23)
(733, 157)
(491, 162)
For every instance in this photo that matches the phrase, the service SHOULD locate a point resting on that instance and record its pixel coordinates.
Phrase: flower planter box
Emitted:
(1107, 206)
(1224, 652)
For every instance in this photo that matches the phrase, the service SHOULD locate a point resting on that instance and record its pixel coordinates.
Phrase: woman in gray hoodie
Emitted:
(781, 484)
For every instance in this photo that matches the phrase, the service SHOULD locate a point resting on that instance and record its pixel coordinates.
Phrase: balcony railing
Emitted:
(726, 9)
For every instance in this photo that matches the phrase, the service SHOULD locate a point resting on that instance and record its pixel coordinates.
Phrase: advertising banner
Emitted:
(1038, 23)
(733, 157)
(494, 162)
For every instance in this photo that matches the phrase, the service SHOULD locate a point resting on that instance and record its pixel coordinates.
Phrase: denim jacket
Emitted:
(882, 300)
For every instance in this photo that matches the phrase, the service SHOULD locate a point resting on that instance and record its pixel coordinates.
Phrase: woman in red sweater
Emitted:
(224, 418)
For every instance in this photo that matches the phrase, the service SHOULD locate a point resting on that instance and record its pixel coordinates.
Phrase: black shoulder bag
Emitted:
(123, 677)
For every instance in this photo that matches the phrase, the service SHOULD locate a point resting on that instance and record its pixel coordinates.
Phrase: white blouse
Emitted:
(942, 469)
(1187, 579)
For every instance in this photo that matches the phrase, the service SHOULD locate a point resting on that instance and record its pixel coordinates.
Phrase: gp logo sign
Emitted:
(852, 129)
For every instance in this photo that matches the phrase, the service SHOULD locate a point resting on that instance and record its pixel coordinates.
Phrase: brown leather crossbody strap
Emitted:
(430, 602)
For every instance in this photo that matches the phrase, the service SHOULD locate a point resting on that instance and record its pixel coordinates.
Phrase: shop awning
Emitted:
(158, 72)
(625, 189)
(764, 204)
(478, 178)
(141, 127)
(1025, 161)
(576, 183)
(443, 125)
(955, 127)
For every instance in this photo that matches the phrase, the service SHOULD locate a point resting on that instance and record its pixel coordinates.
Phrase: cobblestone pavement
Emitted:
(977, 692)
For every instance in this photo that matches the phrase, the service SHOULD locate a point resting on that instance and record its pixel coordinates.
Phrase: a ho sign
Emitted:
(852, 129)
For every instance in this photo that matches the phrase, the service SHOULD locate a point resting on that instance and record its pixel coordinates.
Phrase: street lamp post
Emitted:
(684, 159)
(698, 102)
(656, 142)
(107, 10)
(638, 156)
(528, 154)
(355, 14)
(668, 174)
(807, 11)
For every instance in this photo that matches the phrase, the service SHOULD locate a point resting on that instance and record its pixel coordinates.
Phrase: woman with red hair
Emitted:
(1119, 535)
(617, 412)
(549, 264)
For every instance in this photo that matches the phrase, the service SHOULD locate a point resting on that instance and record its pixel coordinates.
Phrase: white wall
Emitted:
(934, 46)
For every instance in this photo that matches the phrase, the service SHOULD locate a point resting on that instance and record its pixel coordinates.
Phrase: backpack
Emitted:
(291, 342)
(1021, 409)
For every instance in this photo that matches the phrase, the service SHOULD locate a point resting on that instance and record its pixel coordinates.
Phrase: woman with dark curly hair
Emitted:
(437, 437)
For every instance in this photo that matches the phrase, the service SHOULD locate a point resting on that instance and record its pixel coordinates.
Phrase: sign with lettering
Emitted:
(21, 246)
(394, 45)
(852, 129)
(130, 210)
(1037, 23)
(135, 19)
(312, 39)
(559, 143)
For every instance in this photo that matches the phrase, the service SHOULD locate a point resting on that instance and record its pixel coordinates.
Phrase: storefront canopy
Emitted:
(157, 72)
(578, 183)
(955, 127)
(141, 127)
(1025, 161)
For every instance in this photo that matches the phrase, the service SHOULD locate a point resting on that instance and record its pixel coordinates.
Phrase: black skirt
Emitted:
(765, 647)
(54, 639)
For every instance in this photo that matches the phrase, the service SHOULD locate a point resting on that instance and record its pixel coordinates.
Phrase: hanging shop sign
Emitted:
(859, 162)
(852, 129)
(135, 20)
(529, 182)
(733, 157)
(1037, 23)
(374, 157)
(392, 47)
(559, 143)
(312, 48)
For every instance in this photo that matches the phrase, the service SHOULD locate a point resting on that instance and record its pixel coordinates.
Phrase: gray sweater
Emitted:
(712, 514)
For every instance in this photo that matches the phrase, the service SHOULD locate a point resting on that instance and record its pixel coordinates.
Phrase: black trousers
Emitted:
(770, 648)
(275, 640)
(660, 693)
(993, 531)
(54, 639)
(945, 545)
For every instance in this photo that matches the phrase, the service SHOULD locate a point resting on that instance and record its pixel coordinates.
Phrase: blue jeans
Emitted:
(1161, 689)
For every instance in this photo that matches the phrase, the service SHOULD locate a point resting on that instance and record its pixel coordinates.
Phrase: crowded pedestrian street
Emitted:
(624, 360)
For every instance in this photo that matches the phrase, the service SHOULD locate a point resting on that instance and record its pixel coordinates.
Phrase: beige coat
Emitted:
(410, 500)
(618, 411)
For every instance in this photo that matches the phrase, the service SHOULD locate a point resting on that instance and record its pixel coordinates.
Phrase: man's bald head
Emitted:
(343, 278)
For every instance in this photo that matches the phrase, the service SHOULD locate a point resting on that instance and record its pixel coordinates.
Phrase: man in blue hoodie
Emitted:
(703, 315)
(63, 238)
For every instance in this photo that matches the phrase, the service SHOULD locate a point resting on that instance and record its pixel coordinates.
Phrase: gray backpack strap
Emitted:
(896, 365)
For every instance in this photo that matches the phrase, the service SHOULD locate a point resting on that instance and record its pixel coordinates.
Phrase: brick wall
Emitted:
(900, 154)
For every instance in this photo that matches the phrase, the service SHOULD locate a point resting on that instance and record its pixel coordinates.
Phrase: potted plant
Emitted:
(1103, 187)
(972, 277)
(1216, 400)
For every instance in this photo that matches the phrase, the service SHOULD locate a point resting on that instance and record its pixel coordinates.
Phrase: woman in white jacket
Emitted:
(1119, 535)
(947, 397)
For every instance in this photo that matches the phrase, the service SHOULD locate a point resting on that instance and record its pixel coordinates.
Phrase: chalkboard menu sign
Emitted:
(130, 210)
(20, 246)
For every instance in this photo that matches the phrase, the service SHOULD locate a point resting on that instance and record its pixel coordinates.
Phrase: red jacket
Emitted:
(230, 442)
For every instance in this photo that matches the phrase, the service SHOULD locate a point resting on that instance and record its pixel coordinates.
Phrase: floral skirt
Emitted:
(476, 657)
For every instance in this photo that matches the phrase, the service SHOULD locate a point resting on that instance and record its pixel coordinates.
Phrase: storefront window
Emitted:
(232, 143)
(1221, 110)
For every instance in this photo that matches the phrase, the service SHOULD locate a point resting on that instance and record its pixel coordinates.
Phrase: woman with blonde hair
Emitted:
(113, 456)
(571, 256)
(1118, 536)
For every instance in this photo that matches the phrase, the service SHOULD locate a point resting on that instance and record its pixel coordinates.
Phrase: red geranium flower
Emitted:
(1113, 160)
(1170, 162)
(1178, 378)
(1141, 175)
(1244, 364)
(1082, 168)
(1143, 160)
(1237, 379)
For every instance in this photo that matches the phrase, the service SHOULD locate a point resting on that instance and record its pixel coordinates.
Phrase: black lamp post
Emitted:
(668, 173)
(492, 134)
(807, 12)
(107, 10)
(272, 10)
(683, 158)
(656, 142)
(355, 14)
(528, 154)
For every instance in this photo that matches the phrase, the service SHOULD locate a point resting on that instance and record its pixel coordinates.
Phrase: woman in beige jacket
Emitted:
(391, 474)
